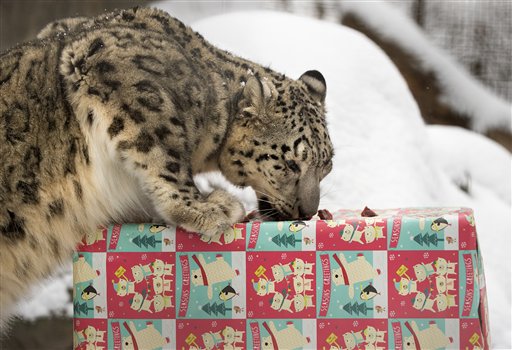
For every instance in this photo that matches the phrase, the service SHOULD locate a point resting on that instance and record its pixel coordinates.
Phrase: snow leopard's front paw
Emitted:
(229, 204)
(216, 214)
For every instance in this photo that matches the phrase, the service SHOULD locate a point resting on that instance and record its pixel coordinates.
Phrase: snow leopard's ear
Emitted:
(315, 83)
(258, 95)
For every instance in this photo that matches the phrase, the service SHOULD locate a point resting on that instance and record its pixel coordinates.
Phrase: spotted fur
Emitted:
(108, 119)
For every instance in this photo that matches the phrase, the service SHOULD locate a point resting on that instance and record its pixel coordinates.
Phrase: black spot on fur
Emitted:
(229, 74)
(285, 148)
(116, 127)
(248, 154)
(196, 52)
(144, 142)
(171, 152)
(168, 178)
(261, 158)
(177, 122)
(124, 145)
(145, 86)
(173, 167)
(15, 228)
(85, 153)
(56, 208)
(127, 16)
(164, 22)
(29, 191)
(134, 114)
(90, 117)
(148, 64)
(69, 167)
(17, 122)
(152, 103)
(175, 196)
(78, 189)
(93, 91)
(140, 25)
(112, 84)
(162, 131)
(95, 47)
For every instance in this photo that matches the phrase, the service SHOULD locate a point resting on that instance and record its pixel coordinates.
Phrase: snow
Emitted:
(385, 155)
(459, 90)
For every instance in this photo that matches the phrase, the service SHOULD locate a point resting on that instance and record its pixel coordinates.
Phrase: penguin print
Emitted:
(227, 293)
(439, 224)
(297, 226)
(368, 293)
(157, 228)
(89, 293)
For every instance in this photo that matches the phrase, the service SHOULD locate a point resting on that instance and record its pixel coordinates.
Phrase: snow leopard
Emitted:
(108, 119)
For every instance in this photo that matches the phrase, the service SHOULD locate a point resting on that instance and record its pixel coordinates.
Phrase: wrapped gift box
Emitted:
(407, 278)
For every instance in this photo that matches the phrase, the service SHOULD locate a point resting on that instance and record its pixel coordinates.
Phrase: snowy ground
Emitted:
(385, 155)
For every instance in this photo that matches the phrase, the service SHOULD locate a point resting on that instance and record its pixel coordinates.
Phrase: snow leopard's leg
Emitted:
(123, 99)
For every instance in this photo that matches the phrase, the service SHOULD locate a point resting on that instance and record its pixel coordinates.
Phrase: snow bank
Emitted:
(460, 91)
(385, 155)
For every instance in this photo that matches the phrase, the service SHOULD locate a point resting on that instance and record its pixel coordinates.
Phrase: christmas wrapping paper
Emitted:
(408, 278)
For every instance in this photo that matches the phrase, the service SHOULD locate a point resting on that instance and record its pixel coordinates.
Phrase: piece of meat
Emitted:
(368, 213)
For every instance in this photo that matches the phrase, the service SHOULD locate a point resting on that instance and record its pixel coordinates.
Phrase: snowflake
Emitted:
(355, 323)
(402, 303)
(249, 258)
(392, 313)
(111, 314)
(77, 323)
(110, 258)
(331, 235)
(214, 323)
(190, 236)
(181, 325)
(260, 304)
(144, 257)
(464, 325)
(392, 257)
(283, 256)
(320, 245)
(121, 304)
(321, 325)
(463, 245)
(249, 314)
(180, 246)
(426, 255)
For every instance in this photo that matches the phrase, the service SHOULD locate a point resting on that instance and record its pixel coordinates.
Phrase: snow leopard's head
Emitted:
(279, 143)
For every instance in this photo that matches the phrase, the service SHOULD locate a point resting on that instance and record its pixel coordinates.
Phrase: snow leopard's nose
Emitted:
(309, 194)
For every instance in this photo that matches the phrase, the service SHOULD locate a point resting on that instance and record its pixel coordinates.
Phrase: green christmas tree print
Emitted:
(81, 308)
(285, 240)
(145, 241)
(427, 239)
(357, 309)
(215, 309)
